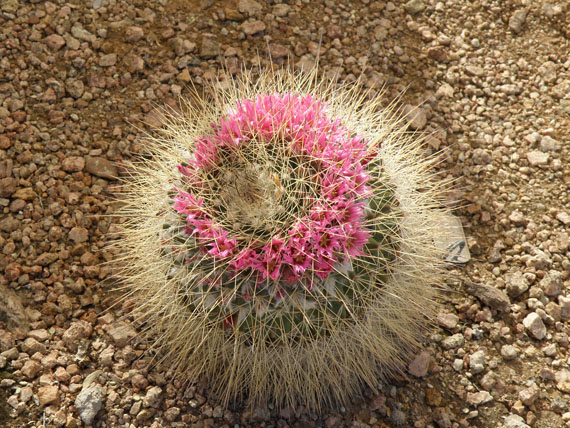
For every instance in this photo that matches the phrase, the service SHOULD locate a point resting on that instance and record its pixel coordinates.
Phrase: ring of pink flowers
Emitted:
(334, 228)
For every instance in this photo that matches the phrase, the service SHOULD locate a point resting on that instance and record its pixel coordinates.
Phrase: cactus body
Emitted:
(279, 243)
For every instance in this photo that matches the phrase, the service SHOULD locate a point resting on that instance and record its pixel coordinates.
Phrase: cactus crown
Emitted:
(281, 232)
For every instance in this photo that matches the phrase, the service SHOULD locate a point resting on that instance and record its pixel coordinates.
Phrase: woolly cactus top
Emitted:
(295, 215)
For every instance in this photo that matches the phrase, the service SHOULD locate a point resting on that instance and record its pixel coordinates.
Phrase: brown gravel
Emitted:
(77, 79)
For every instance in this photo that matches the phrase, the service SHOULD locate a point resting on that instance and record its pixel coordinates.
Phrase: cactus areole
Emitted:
(273, 207)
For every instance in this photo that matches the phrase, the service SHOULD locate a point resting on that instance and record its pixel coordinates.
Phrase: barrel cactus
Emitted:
(279, 241)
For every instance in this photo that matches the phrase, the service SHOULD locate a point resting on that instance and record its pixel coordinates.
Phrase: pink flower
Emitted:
(222, 247)
(333, 227)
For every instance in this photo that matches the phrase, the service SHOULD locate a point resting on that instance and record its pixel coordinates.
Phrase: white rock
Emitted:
(534, 325)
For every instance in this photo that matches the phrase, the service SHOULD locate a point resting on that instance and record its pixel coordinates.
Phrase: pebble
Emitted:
(562, 378)
(453, 342)
(529, 395)
(88, 403)
(509, 352)
(536, 158)
(516, 283)
(477, 362)
(122, 333)
(73, 164)
(491, 296)
(153, 397)
(250, 7)
(563, 217)
(514, 421)
(79, 235)
(535, 326)
(414, 6)
(77, 330)
(479, 398)
(101, 167)
(134, 34)
(48, 395)
(549, 144)
(108, 60)
(416, 116)
(209, 47)
(419, 366)
(517, 20)
(252, 27)
(55, 42)
(31, 369)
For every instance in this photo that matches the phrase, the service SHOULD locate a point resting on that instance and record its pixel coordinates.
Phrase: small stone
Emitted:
(183, 46)
(209, 47)
(548, 72)
(509, 352)
(563, 217)
(562, 378)
(48, 395)
(516, 283)
(153, 397)
(77, 330)
(419, 366)
(40, 335)
(82, 34)
(122, 334)
(490, 296)
(478, 398)
(433, 397)
(278, 51)
(134, 63)
(74, 87)
(73, 164)
(134, 34)
(101, 167)
(79, 235)
(549, 144)
(27, 194)
(439, 53)
(536, 158)
(171, 414)
(61, 375)
(88, 403)
(252, 27)
(250, 7)
(477, 362)
(447, 320)
(552, 283)
(517, 218)
(31, 346)
(55, 42)
(482, 157)
(281, 10)
(442, 417)
(514, 421)
(474, 70)
(517, 20)
(535, 326)
(453, 342)
(444, 91)
(414, 6)
(31, 369)
(8, 186)
(529, 395)
(415, 116)
(108, 60)
(184, 76)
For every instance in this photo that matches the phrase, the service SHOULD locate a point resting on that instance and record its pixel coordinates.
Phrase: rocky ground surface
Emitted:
(493, 80)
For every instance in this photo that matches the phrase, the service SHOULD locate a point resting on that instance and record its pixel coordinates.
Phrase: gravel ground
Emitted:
(76, 82)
